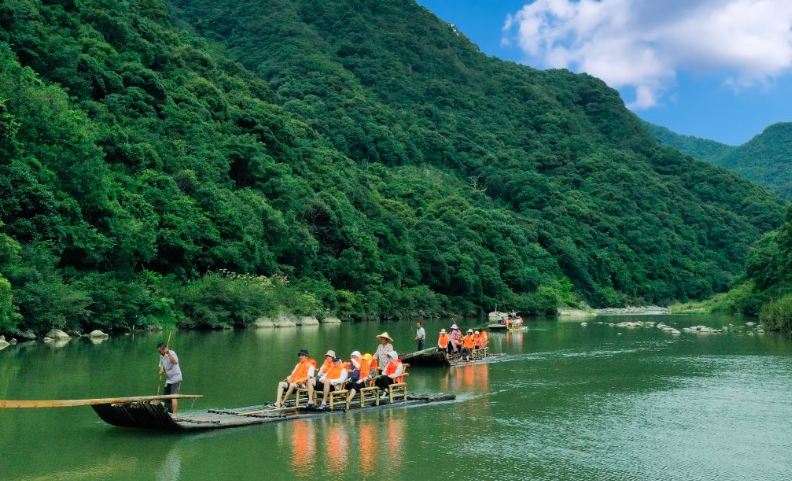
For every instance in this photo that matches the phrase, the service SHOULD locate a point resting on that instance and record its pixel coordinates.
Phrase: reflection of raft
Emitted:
(434, 357)
(503, 328)
(152, 415)
(148, 412)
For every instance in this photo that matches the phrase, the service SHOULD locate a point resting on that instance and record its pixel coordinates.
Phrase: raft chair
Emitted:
(399, 388)
(334, 398)
(369, 388)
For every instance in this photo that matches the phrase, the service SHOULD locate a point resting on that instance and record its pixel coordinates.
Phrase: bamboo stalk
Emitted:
(8, 404)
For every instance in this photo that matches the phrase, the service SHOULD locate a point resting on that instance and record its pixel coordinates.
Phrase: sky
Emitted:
(718, 69)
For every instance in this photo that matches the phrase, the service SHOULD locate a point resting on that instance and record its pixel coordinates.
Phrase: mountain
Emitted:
(209, 162)
(766, 159)
(702, 149)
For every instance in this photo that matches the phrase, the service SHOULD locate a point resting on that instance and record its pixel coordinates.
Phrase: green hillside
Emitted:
(766, 159)
(702, 149)
(362, 159)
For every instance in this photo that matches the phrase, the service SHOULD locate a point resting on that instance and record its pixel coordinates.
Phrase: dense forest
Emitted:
(207, 162)
(702, 149)
(766, 159)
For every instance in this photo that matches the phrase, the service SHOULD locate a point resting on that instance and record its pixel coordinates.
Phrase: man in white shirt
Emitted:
(169, 365)
(420, 336)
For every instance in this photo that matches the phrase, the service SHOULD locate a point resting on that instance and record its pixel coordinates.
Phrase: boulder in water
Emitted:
(29, 335)
(308, 321)
(263, 323)
(285, 320)
(331, 320)
(98, 333)
(57, 334)
(3, 343)
(583, 324)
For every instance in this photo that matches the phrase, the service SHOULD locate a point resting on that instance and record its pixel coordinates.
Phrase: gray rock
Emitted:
(285, 320)
(12, 342)
(98, 333)
(583, 324)
(57, 334)
(29, 335)
(4, 344)
(331, 320)
(48, 339)
(308, 321)
(263, 323)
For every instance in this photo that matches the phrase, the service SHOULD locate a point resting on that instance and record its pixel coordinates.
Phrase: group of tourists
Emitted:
(511, 320)
(381, 369)
(464, 345)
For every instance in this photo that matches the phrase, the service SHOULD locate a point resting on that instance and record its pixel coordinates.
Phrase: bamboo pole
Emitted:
(64, 403)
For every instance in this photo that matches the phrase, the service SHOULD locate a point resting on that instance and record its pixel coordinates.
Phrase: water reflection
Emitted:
(368, 448)
(303, 442)
(336, 448)
(515, 340)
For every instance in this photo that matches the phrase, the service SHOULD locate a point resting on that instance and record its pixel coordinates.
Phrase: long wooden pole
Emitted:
(65, 403)
(159, 382)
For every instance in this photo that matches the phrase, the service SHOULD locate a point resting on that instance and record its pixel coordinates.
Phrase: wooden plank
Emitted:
(65, 403)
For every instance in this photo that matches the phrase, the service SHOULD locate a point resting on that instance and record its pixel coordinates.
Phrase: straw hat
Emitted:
(330, 353)
(394, 355)
(386, 336)
(470, 331)
(476, 332)
(442, 331)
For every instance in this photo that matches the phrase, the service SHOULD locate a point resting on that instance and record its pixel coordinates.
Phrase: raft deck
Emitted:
(153, 415)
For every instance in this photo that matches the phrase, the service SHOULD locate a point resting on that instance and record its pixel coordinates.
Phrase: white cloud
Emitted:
(643, 44)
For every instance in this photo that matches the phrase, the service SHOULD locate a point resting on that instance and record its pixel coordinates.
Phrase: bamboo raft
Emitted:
(434, 357)
(149, 412)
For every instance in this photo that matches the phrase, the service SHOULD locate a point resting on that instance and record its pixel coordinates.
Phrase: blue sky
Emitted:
(719, 69)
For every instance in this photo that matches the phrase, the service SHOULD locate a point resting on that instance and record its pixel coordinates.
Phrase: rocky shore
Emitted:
(569, 313)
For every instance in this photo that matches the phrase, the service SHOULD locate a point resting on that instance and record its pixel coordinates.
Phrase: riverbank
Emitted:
(569, 313)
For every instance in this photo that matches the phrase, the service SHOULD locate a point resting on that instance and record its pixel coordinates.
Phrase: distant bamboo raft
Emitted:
(67, 403)
(434, 357)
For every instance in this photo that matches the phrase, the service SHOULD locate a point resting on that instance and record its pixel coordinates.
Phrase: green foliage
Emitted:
(777, 315)
(366, 161)
(702, 149)
(766, 159)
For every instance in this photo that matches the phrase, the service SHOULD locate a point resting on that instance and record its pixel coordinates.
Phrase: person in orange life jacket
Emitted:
(353, 367)
(444, 342)
(484, 338)
(299, 377)
(477, 339)
(467, 345)
(335, 377)
(315, 383)
(365, 371)
(393, 373)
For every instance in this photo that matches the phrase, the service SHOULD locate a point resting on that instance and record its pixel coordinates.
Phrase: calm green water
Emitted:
(565, 403)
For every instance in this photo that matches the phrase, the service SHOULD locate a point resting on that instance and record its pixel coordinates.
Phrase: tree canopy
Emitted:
(206, 162)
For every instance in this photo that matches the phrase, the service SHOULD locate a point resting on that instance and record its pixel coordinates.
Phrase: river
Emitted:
(566, 402)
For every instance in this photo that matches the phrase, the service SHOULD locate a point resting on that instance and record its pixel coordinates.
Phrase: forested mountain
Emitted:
(766, 159)
(211, 161)
(702, 149)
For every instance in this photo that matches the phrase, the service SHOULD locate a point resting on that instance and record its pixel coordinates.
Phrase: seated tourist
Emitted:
(299, 377)
(468, 344)
(366, 371)
(335, 378)
(393, 373)
(444, 342)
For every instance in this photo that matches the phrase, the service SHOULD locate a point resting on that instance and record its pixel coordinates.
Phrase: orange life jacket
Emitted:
(484, 338)
(392, 367)
(443, 342)
(374, 364)
(313, 362)
(300, 371)
(335, 372)
(365, 368)
(477, 339)
(468, 342)
(325, 367)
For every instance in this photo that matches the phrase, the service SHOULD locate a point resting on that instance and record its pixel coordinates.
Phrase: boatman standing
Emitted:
(169, 365)
(420, 336)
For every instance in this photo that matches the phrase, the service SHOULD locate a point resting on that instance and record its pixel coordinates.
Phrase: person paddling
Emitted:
(299, 377)
(169, 365)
